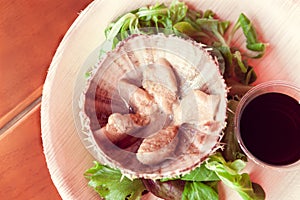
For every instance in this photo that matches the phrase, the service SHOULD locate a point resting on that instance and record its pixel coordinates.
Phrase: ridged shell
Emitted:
(194, 69)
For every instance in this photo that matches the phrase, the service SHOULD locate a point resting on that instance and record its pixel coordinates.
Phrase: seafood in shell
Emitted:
(155, 106)
(160, 81)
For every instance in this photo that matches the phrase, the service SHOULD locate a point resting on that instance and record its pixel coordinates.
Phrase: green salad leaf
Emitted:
(200, 183)
(249, 31)
(112, 185)
(201, 174)
(232, 150)
(198, 190)
(229, 173)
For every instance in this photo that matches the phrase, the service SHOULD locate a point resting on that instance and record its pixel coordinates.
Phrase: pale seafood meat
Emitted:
(193, 141)
(156, 106)
(160, 81)
(159, 146)
(138, 99)
(119, 126)
(198, 108)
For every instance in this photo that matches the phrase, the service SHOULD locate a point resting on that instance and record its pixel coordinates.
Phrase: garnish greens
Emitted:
(229, 174)
(232, 150)
(200, 26)
(112, 185)
(200, 183)
(207, 28)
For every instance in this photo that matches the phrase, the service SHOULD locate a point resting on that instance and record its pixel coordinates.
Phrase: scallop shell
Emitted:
(119, 80)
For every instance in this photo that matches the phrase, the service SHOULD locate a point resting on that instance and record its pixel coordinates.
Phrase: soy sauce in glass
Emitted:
(269, 127)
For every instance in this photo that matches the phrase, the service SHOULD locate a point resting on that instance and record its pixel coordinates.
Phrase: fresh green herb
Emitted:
(229, 173)
(198, 190)
(170, 190)
(232, 150)
(218, 55)
(112, 185)
(237, 89)
(201, 182)
(249, 31)
(201, 174)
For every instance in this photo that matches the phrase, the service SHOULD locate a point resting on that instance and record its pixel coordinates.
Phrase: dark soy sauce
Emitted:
(270, 128)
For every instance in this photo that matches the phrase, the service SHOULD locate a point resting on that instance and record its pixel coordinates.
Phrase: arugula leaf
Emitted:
(237, 89)
(218, 55)
(186, 28)
(112, 185)
(237, 55)
(209, 14)
(201, 174)
(201, 182)
(171, 189)
(259, 191)
(178, 11)
(250, 75)
(232, 150)
(113, 29)
(198, 190)
(249, 31)
(228, 172)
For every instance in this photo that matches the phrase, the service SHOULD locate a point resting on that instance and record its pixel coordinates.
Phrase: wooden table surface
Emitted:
(30, 32)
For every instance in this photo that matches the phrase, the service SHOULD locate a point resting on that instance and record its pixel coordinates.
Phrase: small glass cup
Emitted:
(277, 86)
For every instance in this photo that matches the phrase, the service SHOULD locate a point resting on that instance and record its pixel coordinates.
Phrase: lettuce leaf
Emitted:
(229, 173)
(112, 185)
(201, 182)
(201, 174)
(198, 190)
(232, 150)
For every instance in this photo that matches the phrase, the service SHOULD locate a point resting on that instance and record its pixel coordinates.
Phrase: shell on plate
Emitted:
(155, 106)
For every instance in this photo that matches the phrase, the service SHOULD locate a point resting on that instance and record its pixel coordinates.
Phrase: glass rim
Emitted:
(258, 90)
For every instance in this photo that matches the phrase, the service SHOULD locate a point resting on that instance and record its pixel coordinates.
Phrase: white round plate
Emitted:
(277, 22)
